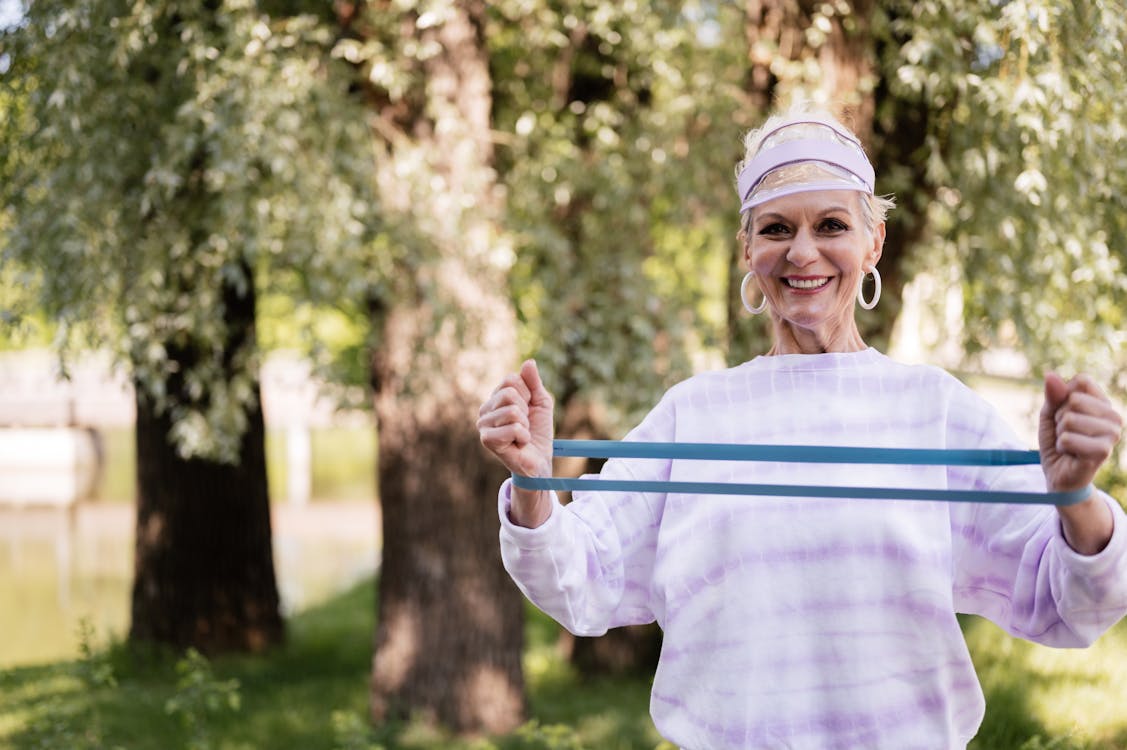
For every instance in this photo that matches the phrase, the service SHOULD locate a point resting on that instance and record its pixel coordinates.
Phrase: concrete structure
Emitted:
(48, 465)
(50, 447)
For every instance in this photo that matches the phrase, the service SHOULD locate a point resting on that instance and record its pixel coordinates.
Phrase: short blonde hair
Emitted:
(874, 208)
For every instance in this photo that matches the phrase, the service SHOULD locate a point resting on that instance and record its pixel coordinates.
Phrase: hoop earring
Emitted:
(876, 292)
(743, 296)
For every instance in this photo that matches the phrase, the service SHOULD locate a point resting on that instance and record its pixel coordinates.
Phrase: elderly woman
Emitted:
(818, 623)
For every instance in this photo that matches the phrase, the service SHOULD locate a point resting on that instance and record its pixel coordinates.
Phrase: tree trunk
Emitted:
(783, 39)
(899, 148)
(449, 636)
(204, 568)
(450, 630)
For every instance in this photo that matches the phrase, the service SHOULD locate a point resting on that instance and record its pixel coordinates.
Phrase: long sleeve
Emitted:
(1012, 563)
(590, 565)
(1016, 569)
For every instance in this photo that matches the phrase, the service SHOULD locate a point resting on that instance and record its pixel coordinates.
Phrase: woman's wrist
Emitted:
(1088, 525)
(530, 508)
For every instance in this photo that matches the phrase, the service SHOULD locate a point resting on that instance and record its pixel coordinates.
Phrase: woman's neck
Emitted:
(790, 339)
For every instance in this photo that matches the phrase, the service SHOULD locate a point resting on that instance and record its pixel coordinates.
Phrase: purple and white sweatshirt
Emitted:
(817, 623)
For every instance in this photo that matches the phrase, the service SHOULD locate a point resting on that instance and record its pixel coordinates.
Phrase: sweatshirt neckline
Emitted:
(816, 362)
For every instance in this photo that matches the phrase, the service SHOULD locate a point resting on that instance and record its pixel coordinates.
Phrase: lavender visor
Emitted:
(849, 169)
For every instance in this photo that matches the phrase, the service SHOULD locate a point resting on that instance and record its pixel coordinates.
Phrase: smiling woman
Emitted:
(808, 253)
(812, 229)
(820, 622)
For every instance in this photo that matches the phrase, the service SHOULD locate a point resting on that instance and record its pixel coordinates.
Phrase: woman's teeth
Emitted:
(807, 283)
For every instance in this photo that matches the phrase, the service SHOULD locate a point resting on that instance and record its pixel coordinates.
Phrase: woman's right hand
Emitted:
(515, 424)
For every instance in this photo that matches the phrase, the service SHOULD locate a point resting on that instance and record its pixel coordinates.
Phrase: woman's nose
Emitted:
(802, 250)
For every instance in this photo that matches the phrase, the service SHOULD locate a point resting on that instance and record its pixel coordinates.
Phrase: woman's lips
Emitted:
(806, 283)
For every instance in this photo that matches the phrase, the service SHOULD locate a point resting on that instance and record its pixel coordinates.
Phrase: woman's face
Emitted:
(809, 251)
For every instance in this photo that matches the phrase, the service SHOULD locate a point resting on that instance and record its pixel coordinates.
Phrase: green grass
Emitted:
(287, 698)
(1040, 698)
(312, 694)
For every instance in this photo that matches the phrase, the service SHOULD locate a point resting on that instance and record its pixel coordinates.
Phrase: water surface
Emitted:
(61, 567)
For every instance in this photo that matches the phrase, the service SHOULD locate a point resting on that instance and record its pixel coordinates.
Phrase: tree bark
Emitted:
(899, 148)
(204, 568)
(449, 636)
(782, 32)
(450, 630)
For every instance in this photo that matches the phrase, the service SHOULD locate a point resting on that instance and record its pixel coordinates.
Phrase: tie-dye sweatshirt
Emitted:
(817, 623)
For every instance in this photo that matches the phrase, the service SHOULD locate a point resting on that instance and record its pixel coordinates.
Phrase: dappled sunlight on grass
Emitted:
(1070, 698)
(29, 691)
(611, 713)
(286, 696)
(312, 694)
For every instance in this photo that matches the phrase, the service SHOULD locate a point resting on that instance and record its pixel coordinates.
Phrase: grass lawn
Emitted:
(1070, 699)
(312, 694)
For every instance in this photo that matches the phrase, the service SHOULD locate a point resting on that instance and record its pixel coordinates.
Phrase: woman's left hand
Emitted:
(1078, 429)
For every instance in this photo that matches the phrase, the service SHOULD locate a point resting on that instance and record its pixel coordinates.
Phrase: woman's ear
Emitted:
(878, 244)
(745, 246)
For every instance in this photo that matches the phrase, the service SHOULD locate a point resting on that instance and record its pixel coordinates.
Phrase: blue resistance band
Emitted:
(798, 454)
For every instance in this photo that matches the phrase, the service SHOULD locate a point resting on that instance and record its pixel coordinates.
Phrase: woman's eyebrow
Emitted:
(772, 216)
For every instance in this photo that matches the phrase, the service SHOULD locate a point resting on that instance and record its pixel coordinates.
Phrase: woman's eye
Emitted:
(775, 228)
(833, 225)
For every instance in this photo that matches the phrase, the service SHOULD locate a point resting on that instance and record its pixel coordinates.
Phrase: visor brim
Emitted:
(760, 197)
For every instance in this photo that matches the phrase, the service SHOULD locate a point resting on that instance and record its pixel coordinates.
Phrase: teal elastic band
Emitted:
(798, 454)
(822, 454)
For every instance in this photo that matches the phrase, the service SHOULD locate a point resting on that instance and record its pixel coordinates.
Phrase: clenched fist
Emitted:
(515, 424)
(1078, 429)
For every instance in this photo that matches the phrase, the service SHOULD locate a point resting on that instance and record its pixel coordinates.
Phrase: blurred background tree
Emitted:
(169, 157)
(1024, 151)
(621, 124)
(449, 637)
